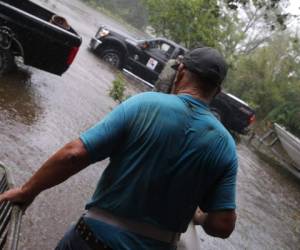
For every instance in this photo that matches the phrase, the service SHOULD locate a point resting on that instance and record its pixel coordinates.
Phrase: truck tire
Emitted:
(113, 57)
(6, 61)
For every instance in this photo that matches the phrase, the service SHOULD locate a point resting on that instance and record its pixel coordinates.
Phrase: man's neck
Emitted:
(194, 93)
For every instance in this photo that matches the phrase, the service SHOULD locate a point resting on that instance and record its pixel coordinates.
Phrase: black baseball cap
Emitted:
(206, 62)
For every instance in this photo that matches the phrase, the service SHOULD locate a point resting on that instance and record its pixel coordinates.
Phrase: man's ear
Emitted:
(180, 67)
(179, 76)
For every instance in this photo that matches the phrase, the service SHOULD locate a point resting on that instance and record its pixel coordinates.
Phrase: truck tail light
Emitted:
(72, 54)
(252, 119)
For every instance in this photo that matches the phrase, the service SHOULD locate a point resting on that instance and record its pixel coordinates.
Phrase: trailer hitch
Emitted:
(7, 37)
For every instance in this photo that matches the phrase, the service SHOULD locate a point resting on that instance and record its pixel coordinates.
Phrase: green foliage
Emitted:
(269, 80)
(288, 115)
(186, 22)
(117, 92)
(217, 23)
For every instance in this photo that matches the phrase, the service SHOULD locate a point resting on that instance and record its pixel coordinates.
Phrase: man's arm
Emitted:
(220, 201)
(218, 224)
(66, 162)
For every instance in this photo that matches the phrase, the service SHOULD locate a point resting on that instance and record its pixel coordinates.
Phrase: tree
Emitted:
(269, 80)
(259, 19)
(186, 22)
(231, 25)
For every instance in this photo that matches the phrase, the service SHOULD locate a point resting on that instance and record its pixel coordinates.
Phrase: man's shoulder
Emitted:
(220, 133)
(228, 144)
(226, 135)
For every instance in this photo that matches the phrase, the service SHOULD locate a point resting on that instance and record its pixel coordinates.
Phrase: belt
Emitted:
(140, 228)
(88, 236)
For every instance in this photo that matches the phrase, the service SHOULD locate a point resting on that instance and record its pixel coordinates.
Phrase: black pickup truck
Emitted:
(43, 39)
(234, 113)
(143, 58)
(146, 58)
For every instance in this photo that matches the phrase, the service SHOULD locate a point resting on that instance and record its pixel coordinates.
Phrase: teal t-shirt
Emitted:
(168, 155)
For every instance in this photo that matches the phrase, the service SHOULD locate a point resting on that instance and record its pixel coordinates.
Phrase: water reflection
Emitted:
(18, 100)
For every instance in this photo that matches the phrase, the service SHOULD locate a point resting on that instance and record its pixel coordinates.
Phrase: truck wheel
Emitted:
(6, 61)
(113, 57)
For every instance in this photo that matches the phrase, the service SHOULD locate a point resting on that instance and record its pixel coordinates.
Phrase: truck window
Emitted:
(165, 47)
(162, 48)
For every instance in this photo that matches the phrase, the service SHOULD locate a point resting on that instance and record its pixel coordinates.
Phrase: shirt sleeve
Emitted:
(223, 194)
(102, 139)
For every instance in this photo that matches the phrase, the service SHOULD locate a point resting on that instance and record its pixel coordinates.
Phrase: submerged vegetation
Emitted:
(117, 91)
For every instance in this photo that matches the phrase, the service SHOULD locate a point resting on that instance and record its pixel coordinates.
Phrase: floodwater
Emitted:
(40, 112)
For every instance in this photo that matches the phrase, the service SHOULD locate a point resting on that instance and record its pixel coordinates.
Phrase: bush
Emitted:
(117, 91)
(287, 115)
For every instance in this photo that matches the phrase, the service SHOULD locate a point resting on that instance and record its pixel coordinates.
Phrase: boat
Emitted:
(10, 216)
(290, 143)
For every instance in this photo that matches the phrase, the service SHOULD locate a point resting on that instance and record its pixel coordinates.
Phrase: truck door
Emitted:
(152, 59)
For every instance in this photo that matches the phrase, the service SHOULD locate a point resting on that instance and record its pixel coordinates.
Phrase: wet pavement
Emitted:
(39, 112)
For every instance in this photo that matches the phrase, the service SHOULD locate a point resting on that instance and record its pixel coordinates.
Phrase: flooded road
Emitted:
(40, 112)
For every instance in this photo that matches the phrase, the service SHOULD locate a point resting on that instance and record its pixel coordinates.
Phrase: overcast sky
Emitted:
(294, 7)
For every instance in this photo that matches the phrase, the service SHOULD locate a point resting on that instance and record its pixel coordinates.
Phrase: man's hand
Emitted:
(199, 217)
(218, 223)
(17, 196)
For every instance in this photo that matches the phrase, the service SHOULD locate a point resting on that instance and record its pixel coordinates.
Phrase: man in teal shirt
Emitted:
(168, 156)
